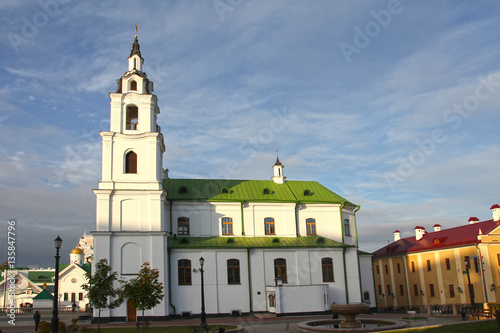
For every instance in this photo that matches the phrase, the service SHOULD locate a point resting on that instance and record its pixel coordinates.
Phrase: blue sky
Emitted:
(391, 104)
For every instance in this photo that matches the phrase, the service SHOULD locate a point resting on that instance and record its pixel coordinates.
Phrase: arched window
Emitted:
(307, 192)
(131, 162)
(183, 226)
(133, 85)
(269, 226)
(233, 271)
(327, 267)
(347, 228)
(227, 226)
(225, 190)
(366, 297)
(132, 117)
(311, 226)
(184, 268)
(280, 269)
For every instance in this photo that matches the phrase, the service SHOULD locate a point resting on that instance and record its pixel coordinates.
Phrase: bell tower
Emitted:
(130, 200)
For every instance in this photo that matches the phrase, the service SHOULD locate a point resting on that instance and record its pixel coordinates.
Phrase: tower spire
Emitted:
(278, 177)
(135, 47)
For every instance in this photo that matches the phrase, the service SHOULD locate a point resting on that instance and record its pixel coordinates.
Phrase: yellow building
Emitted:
(434, 268)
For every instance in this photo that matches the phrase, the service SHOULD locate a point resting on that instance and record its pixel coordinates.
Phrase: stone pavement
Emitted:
(256, 323)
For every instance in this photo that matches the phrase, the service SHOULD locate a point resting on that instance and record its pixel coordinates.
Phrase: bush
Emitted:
(74, 326)
(44, 327)
(496, 313)
(62, 327)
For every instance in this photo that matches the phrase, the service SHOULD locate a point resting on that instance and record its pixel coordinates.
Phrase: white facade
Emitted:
(269, 246)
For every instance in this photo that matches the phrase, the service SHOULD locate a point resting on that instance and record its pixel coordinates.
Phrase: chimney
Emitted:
(473, 220)
(437, 227)
(419, 232)
(397, 235)
(495, 210)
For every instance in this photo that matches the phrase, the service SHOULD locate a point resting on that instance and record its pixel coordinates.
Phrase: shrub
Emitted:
(497, 315)
(44, 327)
(62, 327)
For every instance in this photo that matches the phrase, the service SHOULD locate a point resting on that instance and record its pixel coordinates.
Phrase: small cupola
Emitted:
(473, 220)
(419, 232)
(437, 227)
(495, 210)
(135, 61)
(397, 235)
(278, 177)
(76, 256)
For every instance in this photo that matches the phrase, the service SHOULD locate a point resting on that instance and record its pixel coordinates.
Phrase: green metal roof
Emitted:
(41, 276)
(44, 295)
(251, 242)
(249, 190)
(86, 267)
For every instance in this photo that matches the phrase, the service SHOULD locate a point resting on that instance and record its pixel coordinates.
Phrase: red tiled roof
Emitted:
(446, 238)
(495, 206)
(436, 225)
(395, 231)
(473, 219)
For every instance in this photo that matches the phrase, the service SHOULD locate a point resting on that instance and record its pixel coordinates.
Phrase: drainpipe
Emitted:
(297, 229)
(170, 283)
(170, 213)
(345, 277)
(358, 207)
(482, 274)
(249, 282)
(342, 222)
(242, 221)
(359, 274)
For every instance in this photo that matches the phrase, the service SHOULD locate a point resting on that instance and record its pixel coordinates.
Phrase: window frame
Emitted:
(131, 162)
(327, 269)
(233, 271)
(280, 269)
(183, 226)
(184, 272)
(131, 118)
(347, 227)
(311, 227)
(269, 226)
(227, 226)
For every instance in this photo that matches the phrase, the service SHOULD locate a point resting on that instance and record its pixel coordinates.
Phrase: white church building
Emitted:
(278, 246)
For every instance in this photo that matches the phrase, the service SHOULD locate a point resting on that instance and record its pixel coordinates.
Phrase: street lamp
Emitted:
(203, 324)
(54, 325)
(471, 290)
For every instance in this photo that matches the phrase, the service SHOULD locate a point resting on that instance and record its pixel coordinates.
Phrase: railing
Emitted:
(448, 309)
(27, 310)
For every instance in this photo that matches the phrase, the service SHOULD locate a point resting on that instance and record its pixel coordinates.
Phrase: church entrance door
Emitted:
(131, 311)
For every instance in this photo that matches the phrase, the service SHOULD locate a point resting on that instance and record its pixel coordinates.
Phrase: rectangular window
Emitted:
(269, 226)
(327, 267)
(280, 270)
(311, 227)
(399, 267)
(183, 226)
(66, 296)
(233, 271)
(429, 266)
(379, 289)
(347, 228)
(448, 264)
(378, 269)
(73, 297)
(386, 269)
(227, 226)
(401, 290)
(389, 289)
(467, 260)
(415, 290)
(184, 271)
(431, 289)
(452, 291)
(413, 267)
(80, 296)
(476, 264)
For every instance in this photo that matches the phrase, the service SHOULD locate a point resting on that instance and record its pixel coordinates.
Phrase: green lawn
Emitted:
(480, 326)
(156, 329)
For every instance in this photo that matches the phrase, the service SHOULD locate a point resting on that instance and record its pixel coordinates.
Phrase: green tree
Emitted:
(145, 291)
(99, 288)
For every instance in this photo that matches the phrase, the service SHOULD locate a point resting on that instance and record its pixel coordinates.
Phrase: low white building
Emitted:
(269, 245)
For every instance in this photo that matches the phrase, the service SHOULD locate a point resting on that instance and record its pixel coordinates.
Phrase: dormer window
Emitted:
(183, 190)
(225, 190)
(266, 191)
(133, 85)
(307, 193)
(132, 117)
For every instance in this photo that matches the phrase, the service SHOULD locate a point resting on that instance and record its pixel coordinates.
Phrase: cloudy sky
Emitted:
(393, 105)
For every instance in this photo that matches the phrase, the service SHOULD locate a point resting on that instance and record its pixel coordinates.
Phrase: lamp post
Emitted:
(203, 324)
(54, 325)
(471, 291)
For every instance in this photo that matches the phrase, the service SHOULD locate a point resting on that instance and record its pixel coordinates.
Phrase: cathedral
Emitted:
(277, 246)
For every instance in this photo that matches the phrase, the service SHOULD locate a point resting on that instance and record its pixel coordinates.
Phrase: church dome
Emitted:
(76, 250)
